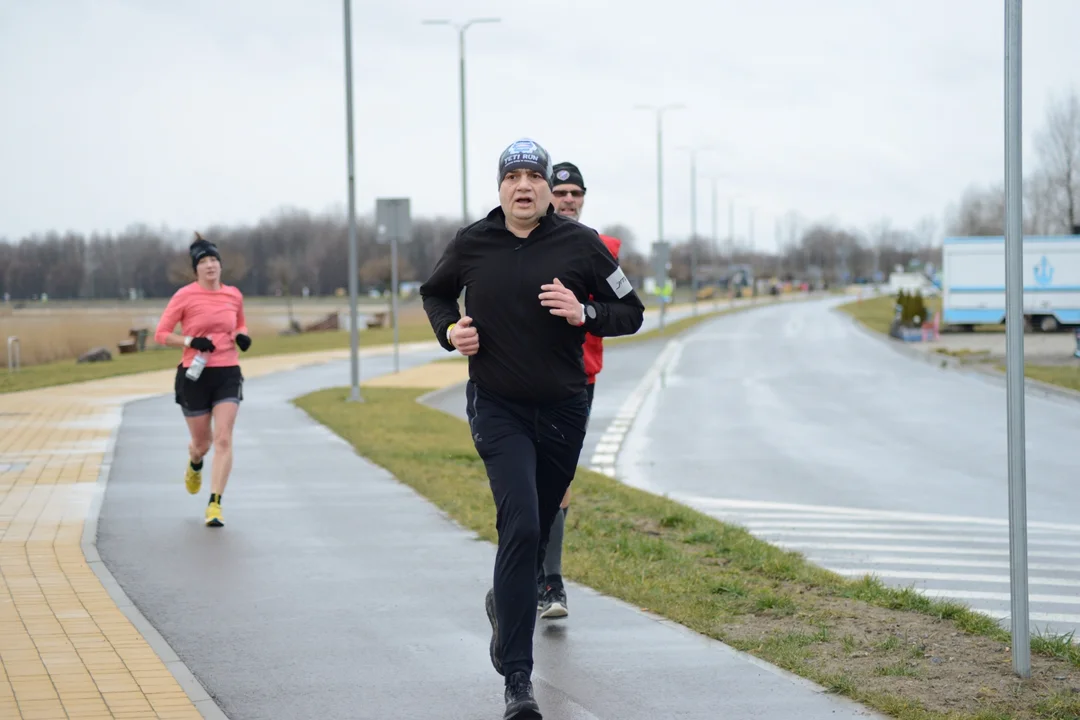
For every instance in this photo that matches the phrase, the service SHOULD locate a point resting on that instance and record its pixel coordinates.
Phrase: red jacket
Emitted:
(594, 346)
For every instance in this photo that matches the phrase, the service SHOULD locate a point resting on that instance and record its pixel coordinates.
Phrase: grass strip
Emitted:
(1066, 376)
(892, 649)
(64, 372)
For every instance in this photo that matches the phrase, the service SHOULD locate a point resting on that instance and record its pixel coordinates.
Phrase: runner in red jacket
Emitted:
(594, 346)
(568, 191)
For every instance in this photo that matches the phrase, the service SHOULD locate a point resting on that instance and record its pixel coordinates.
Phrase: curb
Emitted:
(944, 362)
(1036, 388)
(431, 395)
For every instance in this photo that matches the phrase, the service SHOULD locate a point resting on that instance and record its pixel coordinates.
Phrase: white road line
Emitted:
(720, 503)
(1035, 616)
(844, 525)
(954, 577)
(607, 451)
(1002, 596)
(966, 539)
(906, 549)
(921, 549)
(941, 562)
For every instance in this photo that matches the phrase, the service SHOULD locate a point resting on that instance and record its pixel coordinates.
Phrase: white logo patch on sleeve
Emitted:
(619, 283)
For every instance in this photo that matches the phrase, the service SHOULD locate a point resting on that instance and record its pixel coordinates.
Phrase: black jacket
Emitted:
(527, 354)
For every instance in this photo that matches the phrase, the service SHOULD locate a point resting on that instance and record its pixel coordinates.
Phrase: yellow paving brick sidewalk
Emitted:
(67, 650)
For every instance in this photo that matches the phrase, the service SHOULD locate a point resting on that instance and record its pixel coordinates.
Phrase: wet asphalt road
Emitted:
(819, 437)
(336, 592)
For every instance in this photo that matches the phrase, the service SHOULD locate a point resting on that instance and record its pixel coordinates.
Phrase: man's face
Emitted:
(524, 195)
(568, 199)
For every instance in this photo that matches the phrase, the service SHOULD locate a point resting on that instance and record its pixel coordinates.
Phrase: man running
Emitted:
(568, 188)
(536, 283)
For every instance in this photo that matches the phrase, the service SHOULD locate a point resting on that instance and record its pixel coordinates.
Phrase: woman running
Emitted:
(209, 384)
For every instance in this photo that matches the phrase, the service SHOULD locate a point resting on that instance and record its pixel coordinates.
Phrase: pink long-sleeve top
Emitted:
(214, 314)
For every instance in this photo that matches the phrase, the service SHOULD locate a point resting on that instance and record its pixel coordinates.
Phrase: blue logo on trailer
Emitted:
(1044, 272)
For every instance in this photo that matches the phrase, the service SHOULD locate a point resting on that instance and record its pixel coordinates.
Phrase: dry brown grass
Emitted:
(63, 332)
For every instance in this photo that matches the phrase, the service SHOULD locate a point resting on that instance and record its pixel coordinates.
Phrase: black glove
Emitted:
(202, 344)
(243, 342)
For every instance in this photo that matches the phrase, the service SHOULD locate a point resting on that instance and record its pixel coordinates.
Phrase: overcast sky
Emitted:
(208, 111)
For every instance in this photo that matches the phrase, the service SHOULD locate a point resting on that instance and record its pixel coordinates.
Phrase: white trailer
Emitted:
(973, 281)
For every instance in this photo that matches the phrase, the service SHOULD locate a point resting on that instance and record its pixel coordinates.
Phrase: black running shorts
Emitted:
(215, 385)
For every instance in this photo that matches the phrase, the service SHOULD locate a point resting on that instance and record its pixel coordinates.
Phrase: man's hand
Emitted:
(464, 337)
(562, 302)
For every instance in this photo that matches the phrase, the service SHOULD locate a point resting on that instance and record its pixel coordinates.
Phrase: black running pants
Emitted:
(530, 453)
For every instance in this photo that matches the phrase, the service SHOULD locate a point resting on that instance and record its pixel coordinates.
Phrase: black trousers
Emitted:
(541, 573)
(530, 453)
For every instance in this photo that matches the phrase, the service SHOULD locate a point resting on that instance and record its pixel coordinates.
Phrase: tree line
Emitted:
(294, 249)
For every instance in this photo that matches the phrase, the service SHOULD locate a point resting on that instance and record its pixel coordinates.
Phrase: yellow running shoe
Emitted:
(213, 515)
(193, 480)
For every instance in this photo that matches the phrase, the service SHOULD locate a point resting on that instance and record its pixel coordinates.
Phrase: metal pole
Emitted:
(693, 229)
(464, 161)
(461, 104)
(731, 229)
(660, 199)
(1014, 342)
(354, 330)
(14, 353)
(715, 231)
(751, 232)
(394, 295)
(659, 175)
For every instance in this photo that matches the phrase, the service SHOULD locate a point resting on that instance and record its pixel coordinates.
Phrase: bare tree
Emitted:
(926, 231)
(178, 270)
(1058, 146)
(981, 212)
(376, 271)
(282, 272)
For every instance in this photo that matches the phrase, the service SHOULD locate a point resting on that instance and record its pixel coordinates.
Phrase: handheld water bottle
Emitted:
(197, 365)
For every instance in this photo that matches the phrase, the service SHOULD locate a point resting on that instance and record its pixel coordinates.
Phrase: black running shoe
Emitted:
(553, 603)
(493, 649)
(520, 703)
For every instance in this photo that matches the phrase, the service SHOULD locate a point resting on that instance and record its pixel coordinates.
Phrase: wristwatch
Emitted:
(589, 311)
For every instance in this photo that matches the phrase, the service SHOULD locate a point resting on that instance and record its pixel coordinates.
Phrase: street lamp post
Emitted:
(461, 90)
(354, 330)
(1014, 343)
(715, 230)
(659, 110)
(693, 220)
